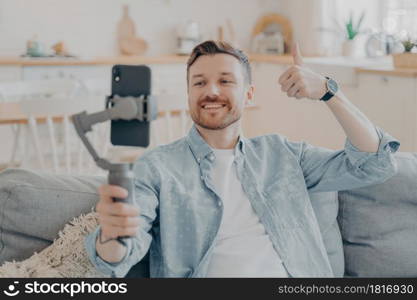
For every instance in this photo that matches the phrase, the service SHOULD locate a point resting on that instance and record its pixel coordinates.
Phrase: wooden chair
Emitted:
(96, 86)
(173, 121)
(53, 149)
(59, 149)
(23, 90)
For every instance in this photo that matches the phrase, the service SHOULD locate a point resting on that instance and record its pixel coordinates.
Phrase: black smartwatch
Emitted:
(332, 88)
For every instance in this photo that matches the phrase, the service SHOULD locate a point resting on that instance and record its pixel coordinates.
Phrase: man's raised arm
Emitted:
(300, 82)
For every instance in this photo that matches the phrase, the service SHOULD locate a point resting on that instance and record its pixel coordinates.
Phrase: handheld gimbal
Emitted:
(143, 108)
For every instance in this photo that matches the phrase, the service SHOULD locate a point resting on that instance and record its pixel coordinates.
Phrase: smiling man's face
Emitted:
(217, 91)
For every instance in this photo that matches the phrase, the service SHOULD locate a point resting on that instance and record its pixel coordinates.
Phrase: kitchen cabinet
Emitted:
(10, 73)
(169, 79)
(76, 72)
(391, 103)
(166, 78)
(299, 120)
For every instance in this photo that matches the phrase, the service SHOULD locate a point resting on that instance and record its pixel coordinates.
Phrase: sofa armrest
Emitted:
(34, 206)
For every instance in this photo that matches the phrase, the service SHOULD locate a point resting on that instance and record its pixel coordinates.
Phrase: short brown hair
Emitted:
(216, 47)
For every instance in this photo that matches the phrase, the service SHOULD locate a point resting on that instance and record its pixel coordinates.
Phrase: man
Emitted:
(215, 204)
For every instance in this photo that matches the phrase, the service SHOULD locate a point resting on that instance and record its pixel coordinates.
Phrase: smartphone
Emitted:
(130, 80)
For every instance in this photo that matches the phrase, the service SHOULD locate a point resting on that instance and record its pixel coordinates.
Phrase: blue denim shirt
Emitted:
(180, 210)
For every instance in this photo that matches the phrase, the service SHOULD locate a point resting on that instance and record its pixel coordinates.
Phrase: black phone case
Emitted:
(130, 80)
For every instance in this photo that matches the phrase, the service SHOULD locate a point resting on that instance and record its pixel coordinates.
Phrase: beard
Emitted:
(215, 120)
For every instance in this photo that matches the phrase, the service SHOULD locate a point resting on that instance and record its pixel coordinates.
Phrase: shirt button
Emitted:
(198, 159)
(211, 157)
(202, 177)
(219, 203)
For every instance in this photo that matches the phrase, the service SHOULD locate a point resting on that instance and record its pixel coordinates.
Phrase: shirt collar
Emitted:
(201, 149)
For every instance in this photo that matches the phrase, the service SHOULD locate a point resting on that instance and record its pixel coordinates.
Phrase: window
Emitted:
(399, 17)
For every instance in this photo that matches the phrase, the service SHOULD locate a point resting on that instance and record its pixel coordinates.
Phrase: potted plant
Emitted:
(352, 30)
(348, 32)
(407, 59)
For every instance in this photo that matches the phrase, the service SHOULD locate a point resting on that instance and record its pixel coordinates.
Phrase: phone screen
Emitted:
(130, 80)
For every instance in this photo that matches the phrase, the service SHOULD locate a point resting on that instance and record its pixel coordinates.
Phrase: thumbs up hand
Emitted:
(296, 54)
(300, 82)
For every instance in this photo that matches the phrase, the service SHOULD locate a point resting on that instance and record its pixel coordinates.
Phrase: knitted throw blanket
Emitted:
(66, 257)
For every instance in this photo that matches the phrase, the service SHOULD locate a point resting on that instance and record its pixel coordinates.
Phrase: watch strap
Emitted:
(328, 94)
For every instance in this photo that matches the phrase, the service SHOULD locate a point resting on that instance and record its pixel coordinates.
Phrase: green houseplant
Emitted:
(407, 59)
(352, 28)
(408, 44)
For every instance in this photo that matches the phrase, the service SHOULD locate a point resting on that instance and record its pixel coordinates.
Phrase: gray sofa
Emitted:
(368, 232)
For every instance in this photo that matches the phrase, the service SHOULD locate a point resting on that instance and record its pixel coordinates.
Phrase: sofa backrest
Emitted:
(379, 224)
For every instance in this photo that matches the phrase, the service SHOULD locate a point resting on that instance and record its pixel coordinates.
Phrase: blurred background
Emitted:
(56, 57)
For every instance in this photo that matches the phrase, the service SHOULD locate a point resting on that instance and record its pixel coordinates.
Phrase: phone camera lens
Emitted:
(116, 74)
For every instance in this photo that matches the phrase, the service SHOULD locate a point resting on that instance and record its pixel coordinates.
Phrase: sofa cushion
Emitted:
(34, 206)
(379, 225)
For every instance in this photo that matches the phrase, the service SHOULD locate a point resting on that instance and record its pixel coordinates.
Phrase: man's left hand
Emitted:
(300, 82)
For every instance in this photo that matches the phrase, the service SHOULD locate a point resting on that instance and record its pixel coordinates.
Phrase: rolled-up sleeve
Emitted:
(147, 200)
(327, 170)
(111, 269)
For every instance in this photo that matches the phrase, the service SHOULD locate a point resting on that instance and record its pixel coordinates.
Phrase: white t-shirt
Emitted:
(243, 248)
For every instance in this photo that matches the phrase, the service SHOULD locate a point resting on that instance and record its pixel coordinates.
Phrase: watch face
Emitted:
(332, 86)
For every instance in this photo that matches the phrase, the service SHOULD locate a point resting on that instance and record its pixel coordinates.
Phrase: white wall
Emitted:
(89, 26)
